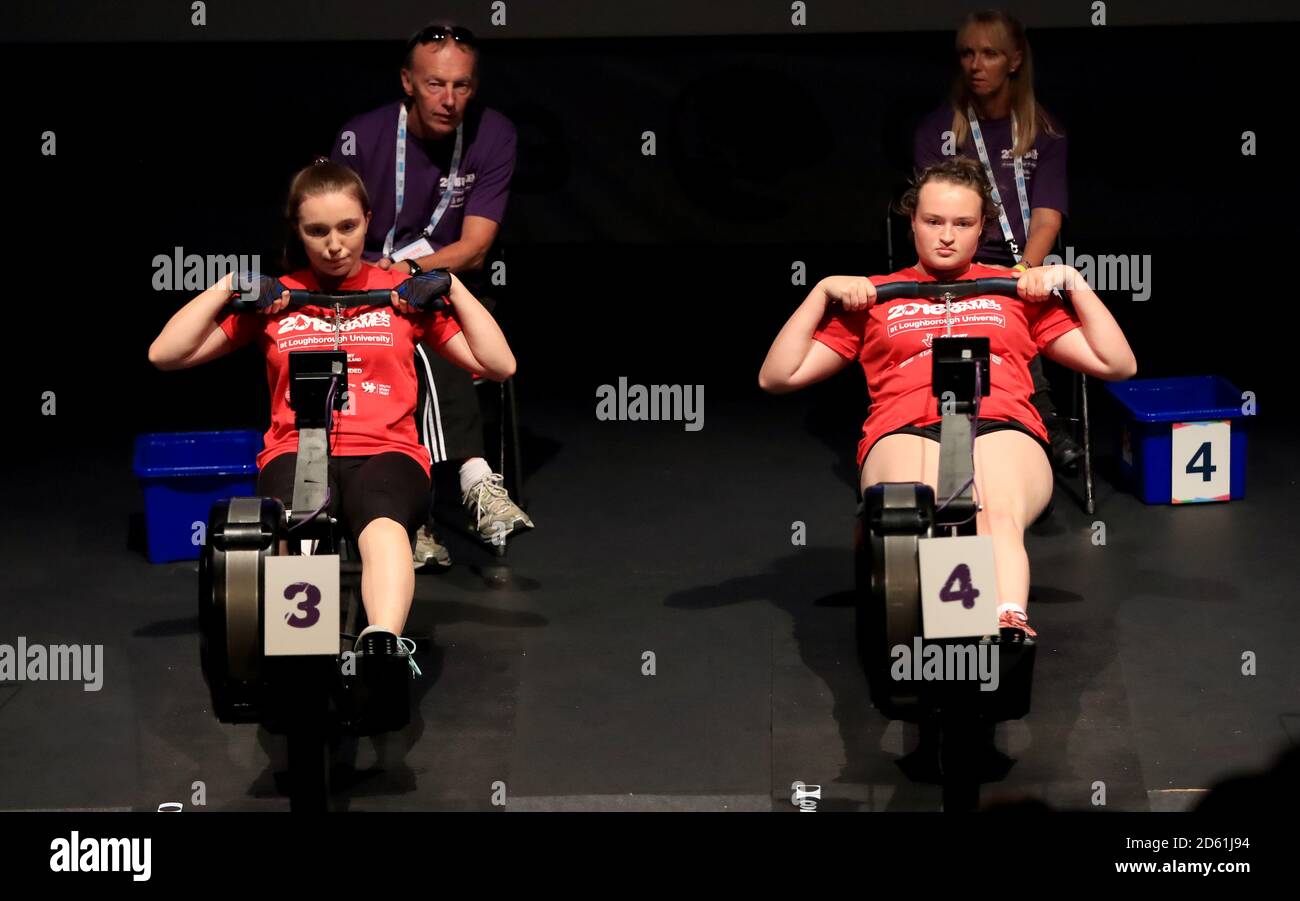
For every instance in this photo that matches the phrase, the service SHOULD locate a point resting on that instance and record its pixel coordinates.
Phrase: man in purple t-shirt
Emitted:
(437, 167)
(995, 81)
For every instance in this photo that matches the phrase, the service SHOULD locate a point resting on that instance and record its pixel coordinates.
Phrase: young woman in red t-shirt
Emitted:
(949, 206)
(379, 471)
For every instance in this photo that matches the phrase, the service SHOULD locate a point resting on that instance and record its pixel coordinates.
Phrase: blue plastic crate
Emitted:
(1152, 409)
(183, 474)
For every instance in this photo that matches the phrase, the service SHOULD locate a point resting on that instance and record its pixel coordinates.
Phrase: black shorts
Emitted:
(983, 427)
(362, 489)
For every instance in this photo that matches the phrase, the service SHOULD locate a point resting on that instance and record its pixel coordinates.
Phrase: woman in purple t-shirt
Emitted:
(993, 116)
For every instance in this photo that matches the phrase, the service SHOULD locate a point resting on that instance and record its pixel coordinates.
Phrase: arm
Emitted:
(479, 346)
(1044, 226)
(476, 237)
(192, 335)
(1048, 200)
(485, 207)
(1098, 346)
(796, 360)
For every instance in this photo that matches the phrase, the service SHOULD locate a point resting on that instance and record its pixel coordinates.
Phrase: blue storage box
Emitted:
(183, 474)
(1195, 413)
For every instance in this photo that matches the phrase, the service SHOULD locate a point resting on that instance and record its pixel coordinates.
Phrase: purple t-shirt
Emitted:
(1044, 173)
(482, 187)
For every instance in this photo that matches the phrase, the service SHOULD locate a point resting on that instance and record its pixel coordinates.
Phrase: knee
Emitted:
(380, 533)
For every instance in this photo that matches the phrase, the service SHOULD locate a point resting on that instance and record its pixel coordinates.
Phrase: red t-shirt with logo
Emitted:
(380, 344)
(892, 341)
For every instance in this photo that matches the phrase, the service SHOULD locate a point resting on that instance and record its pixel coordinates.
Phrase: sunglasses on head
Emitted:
(432, 34)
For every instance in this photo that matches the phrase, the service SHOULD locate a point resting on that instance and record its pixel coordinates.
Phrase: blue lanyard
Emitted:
(400, 179)
(1021, 193)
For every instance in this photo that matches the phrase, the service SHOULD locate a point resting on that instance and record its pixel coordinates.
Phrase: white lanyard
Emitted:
(1021, 194)
(401, 179)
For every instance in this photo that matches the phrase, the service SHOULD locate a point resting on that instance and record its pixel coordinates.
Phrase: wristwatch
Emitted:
(414, 266)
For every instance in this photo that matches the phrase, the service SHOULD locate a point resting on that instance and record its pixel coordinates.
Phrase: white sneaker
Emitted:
(492, 512)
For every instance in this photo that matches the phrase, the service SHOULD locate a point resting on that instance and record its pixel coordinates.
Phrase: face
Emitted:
(441, 81)
(985, 64)
(332, 228)
(947, 225)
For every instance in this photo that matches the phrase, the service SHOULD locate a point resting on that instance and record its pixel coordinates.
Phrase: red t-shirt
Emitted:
(380, 344)
(892, 342)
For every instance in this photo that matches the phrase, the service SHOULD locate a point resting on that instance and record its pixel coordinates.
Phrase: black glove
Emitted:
(424, 291)
(263, 290)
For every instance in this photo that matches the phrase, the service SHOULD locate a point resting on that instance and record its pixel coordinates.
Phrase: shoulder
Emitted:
(491, 133)
(375, 121)
(902, 275)
(937, 120)
(372, 276)
(494, 122)
(1050, 130)
(299, 280)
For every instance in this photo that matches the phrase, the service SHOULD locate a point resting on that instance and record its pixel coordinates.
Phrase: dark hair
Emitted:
(957, 170)
(322, 177)
(429, 34)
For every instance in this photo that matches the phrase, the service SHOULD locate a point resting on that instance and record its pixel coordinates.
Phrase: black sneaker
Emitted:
(379, 692)
(1066, 452)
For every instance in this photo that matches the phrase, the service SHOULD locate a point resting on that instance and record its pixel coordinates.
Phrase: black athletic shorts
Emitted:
(983, 427)
(362, 489)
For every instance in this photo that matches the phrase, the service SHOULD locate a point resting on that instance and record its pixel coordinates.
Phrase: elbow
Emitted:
(772, 385)
(503, 372)
(159, 360)
(1126, 371)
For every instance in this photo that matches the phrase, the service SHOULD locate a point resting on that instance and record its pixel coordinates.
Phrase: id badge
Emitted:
(414, 250)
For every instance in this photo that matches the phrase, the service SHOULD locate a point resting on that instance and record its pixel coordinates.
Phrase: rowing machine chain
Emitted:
(947, 312)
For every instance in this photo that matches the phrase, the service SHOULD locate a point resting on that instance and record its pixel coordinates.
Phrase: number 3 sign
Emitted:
(302, 605)
(959, 589)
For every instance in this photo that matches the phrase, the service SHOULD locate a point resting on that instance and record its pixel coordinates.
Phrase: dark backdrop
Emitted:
(666, 269)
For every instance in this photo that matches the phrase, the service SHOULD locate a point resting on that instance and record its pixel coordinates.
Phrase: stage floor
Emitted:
(654, 539)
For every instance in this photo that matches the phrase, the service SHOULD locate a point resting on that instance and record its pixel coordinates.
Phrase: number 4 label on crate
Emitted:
(959, 589)
(302, 605)
(1202, 453)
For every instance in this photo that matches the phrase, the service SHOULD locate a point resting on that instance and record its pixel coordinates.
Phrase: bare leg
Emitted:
(1013, 480)
(387, 577)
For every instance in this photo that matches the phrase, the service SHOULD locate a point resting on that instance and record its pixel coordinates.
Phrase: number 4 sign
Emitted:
(302, 605)
(1201, 462)
(959, 589)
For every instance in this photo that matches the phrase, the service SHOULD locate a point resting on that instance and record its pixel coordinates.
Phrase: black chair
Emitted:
(508, 408)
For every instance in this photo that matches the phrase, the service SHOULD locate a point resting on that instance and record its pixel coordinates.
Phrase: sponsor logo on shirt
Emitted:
(350, 330)
(301, 322)
(937, 309)
(935, 315)
(459, 189)
(1031, 155)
